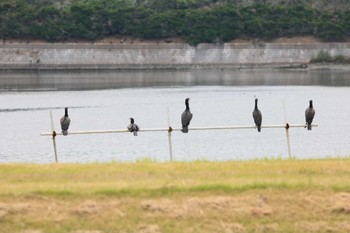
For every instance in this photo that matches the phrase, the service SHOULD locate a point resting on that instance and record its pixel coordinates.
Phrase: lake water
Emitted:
(106, 100)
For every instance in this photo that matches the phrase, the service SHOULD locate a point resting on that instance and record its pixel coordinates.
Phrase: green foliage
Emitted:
(324, 56)
(55, 193)
(196, 21)
(166, 191)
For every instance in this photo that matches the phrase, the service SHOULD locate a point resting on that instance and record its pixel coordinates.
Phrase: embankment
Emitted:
(153, 55)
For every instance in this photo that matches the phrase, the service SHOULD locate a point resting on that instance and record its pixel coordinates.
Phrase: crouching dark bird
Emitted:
(309, 115)
(257, 116)
(65, 121)
(186, 117)
(132, 127)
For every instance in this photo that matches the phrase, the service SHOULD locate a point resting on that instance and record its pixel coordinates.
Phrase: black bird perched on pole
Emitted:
(186, 117)
(309, 115)
(132, 127)
(257, 116)
(65, 121)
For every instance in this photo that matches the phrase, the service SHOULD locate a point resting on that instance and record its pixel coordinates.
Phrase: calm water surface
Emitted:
(106, 100)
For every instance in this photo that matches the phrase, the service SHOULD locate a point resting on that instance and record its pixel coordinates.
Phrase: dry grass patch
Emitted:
(200, 206)
(152, 228)
(250, 211)
(341, 203)
(31, 231)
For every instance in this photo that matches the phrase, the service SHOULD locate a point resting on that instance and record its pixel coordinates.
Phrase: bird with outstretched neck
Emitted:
(132, 127)
(309, 115)
(65, 122)
(257, 116)
(186, 117)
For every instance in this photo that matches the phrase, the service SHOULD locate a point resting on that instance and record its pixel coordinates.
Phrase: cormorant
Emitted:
(186, 117)
(132, 127)
(309, 115)
(65, 121)
(257, 116)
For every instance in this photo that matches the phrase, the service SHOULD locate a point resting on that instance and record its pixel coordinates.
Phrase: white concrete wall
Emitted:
(154, 55)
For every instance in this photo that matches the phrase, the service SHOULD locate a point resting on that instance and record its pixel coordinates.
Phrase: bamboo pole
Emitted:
(53, 134)
(287, 131)
(169, 136)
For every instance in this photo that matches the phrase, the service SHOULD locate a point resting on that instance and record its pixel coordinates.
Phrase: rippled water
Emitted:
(106, 100)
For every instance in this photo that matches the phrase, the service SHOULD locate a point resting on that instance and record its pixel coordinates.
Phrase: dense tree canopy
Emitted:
(192, 20)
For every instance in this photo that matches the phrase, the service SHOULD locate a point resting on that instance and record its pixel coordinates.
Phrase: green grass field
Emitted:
(147, 196)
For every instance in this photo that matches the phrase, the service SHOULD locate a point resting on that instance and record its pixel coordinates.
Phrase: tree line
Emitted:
(93, 19)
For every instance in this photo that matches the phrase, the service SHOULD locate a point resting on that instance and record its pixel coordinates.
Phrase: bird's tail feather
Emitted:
(184, 129)
(135, 133)
(65, 132)
(308, 126)
(259, 128)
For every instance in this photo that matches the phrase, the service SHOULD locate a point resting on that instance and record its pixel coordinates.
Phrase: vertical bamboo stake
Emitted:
(287, 130)
(288, 141)
(169, 136)
(53, 136)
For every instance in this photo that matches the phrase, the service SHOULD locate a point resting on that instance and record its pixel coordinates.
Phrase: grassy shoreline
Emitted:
(146, 196)
(153, 177)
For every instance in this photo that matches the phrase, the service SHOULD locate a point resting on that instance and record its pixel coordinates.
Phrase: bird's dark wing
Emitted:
(257, 117)
(186, 118)
(133, 127)
(65, 121)
(309, 115)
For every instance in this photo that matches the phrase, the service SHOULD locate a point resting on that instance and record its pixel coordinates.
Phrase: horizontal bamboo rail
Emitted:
(176, 129)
